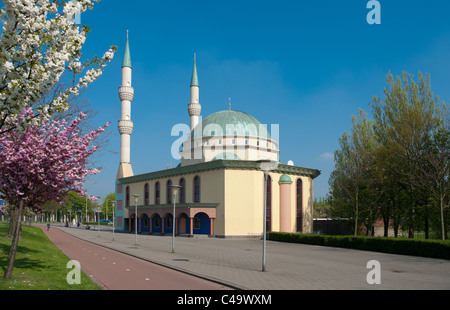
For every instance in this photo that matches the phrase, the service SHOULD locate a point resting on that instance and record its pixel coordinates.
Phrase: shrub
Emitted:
(425, 248)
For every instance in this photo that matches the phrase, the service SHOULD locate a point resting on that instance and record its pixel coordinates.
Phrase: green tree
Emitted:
(77, 205)
(351, 182)
(404, 122)
(106, 206)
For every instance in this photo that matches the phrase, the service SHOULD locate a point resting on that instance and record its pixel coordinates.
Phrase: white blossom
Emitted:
(38, 44)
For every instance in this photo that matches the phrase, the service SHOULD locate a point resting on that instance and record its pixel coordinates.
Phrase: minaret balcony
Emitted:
(125, 127)
(126, 93)
(194, 109)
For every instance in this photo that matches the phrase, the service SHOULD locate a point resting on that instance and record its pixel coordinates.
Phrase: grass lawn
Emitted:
(39, 264)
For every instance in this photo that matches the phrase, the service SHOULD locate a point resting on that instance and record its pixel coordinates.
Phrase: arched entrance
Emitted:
(132, 223)
(157, 224)
(168, 224)
(201, 224)
(183, 224)
(144, 221)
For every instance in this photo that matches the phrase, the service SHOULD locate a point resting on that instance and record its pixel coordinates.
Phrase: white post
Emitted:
(136, 196)
(114, 218)
(264, 224)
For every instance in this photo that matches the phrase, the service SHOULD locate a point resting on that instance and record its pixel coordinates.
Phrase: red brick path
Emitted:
(117, 271)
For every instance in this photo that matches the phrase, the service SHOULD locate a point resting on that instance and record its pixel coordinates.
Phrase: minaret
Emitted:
(126, 94)
(194, 107)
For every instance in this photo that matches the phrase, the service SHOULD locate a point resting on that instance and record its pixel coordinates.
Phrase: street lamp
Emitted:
(106, 206)
(266, 165)
(136, 197)
(175, 189)
(114, 219)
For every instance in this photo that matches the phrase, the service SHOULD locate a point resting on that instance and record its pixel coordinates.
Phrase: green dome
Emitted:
(285, 179)
(226, 156)
(230, 123)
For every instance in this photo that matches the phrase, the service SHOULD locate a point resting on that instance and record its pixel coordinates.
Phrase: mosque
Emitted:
(229, 173)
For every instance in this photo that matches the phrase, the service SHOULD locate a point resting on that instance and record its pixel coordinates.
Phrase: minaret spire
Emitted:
(126, 94)
(127, 55)
(194, 81)
(194, 107)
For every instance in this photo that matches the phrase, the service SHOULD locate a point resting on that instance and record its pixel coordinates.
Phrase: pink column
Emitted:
(211, 230)
(192, 226)
(285, 204)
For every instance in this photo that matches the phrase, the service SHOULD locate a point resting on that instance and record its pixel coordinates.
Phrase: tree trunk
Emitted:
(442, 218)
(412, 214)
(12, 223)
(427, 227)
(14, 243)
(356, 215)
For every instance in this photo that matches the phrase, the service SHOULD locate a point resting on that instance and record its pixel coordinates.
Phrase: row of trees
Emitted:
(45, 152)
(395, 165)
(74, 205)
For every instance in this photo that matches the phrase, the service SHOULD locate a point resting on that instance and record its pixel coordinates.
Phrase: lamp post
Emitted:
(266, 165)
(114, 219)
(136, 197)
(175, 189)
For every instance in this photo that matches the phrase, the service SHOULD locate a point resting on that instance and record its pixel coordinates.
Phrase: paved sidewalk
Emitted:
(237, 263)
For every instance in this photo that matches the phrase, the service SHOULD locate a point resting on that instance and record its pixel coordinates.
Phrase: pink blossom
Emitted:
(45, 162)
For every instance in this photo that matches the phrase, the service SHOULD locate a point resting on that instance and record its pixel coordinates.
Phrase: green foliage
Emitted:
(107, 205)
(396, 165)
(403, 246)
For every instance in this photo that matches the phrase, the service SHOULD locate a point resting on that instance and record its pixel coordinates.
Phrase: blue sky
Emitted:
(305, 65)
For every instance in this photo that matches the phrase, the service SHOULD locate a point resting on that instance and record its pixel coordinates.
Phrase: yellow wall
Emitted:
(244, 202)
(242, 192)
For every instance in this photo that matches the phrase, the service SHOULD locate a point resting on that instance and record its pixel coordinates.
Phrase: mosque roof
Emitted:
(220, 164)
(232, 123)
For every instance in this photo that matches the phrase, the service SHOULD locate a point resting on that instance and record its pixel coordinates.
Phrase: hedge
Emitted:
(425, 248)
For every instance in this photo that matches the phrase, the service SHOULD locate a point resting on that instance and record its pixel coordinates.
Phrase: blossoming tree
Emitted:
(43, 163)
(40, 158)
(40, 41)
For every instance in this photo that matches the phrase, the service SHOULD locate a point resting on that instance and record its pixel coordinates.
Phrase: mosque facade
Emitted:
(228, 179)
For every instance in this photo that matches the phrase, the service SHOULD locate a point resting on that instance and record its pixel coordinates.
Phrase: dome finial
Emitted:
(229, 103)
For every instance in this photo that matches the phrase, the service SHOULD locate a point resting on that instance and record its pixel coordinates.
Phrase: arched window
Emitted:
(157, 192)
(269, 204)
(299, 205)
(197, 189)
(182, 191)
(169, 192)
(127, 196)
(146, 194)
